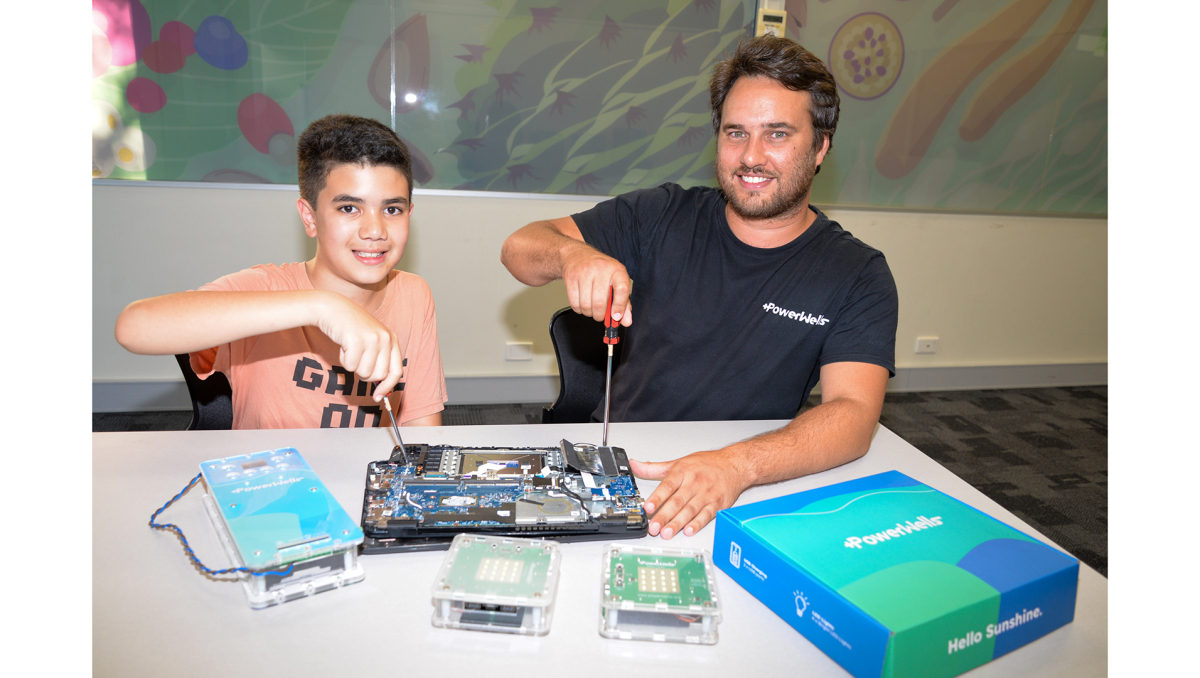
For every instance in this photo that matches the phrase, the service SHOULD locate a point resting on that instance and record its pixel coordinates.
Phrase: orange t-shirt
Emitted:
(292, 379)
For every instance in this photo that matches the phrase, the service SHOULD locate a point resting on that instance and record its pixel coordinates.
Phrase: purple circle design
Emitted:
(219, 44)
(879, 39)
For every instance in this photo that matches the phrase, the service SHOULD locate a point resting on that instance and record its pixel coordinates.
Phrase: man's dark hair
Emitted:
(790, 65)
(347, 140)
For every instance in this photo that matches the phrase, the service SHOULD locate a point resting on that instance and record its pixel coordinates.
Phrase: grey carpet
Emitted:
(1041, 453)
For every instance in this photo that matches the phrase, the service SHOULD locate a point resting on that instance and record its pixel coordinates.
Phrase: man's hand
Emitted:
(548, 250)
(368, 347)
(837, 431)
(692, 490)
(587, 274)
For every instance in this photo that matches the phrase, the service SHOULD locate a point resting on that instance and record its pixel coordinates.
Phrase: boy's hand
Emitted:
(369, 349)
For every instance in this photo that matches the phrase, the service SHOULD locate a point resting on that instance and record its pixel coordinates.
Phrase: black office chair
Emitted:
(582, 359)
(212, 398)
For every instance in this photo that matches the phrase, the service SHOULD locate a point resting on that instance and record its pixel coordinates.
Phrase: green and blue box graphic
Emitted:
(890, 577)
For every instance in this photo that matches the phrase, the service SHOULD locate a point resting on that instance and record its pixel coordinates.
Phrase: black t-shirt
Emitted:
(722, 330)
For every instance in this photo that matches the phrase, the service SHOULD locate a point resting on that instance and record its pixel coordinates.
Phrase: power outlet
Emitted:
(518, 350)
(927, 344)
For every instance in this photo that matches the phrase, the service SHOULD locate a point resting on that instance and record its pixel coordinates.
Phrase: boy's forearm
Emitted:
(194, 321)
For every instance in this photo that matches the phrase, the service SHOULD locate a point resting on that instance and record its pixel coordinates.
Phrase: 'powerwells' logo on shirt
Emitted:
(793, 315)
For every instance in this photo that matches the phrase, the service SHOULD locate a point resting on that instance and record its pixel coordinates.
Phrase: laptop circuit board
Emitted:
(425, 494)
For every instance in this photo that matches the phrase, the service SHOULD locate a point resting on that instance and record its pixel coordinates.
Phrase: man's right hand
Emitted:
(368, 348)
(548, 250)
(588, 275)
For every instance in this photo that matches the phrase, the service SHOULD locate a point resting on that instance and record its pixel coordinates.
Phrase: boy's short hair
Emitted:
(341, 139)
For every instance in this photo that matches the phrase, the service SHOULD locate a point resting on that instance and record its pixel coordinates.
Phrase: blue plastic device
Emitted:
(276, 508)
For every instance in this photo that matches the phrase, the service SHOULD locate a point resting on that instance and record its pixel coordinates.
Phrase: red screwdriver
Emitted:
(610, 338)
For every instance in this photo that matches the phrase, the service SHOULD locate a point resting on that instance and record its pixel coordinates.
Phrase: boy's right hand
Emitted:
(368, 347)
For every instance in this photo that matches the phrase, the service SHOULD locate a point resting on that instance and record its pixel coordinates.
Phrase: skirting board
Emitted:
(147, 396)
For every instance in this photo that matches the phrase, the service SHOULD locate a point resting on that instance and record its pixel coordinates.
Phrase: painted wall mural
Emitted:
(946, 104)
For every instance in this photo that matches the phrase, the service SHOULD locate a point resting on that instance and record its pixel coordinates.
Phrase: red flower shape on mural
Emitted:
(518, 172)
(561, 101)
(587, 183)
(692, 134)
(465, 105)
(707, 4)
(634, 115)
(476, 53)
(678, 51)
(542, 17)
(508, 83)
(609, 32)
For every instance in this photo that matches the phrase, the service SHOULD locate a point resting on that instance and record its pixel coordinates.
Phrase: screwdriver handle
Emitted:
(610, 327)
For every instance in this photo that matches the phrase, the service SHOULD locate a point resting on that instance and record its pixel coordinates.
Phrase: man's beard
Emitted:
(792, 189)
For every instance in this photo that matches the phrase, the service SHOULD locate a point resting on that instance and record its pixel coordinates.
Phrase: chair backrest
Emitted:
(212, 398)
(582, 361)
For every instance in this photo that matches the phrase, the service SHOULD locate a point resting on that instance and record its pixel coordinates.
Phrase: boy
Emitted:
(301, 343)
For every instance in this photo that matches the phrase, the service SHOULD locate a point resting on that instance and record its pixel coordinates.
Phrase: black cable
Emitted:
(562, 485)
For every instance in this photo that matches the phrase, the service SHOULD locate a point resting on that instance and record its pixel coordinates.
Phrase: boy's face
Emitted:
(360, 222)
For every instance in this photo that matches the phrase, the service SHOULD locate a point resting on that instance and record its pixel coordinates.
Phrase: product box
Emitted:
(890, 577)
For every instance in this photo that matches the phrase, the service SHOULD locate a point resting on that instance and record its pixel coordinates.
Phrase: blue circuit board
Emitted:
(440, 488)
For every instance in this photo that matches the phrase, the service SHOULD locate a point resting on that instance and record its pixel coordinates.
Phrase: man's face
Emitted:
(360, 222)
(765, 161)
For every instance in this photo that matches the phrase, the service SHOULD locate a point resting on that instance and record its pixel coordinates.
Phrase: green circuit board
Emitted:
(499, 567)
(651, 579)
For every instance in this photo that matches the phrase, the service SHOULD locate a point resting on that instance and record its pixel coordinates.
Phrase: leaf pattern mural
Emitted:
(598, 97)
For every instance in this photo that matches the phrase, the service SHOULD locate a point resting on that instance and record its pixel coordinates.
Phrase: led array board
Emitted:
(652, 593)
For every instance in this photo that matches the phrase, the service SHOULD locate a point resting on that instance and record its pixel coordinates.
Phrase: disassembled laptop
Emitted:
(425, 494)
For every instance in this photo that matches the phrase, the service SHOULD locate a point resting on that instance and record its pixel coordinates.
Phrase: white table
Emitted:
(153, 614)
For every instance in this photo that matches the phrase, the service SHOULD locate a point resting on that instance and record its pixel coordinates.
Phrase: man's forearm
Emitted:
(194, 321)
(534, 254)
(830, 434)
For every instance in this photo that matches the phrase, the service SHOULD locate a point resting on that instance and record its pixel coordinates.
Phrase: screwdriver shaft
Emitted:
(607, 385)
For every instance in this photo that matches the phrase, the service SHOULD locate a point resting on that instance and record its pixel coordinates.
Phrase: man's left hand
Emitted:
(692, 490)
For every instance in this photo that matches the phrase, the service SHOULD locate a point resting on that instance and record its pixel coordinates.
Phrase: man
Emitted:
(746, 296)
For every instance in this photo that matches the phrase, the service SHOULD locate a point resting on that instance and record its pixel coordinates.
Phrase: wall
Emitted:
(1014, 300)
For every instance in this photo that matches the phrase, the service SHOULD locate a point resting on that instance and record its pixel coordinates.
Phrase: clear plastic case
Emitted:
(308, 577)
(498, 584)
(666, 595)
